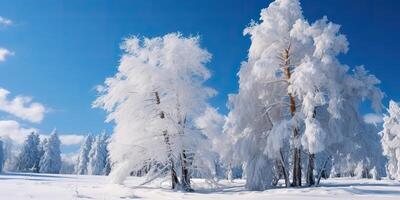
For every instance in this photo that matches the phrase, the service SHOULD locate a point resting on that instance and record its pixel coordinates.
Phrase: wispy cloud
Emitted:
(67, 139)
(4, 53)
(71, 139)
(21, 107)
(14, 131)
(373, 118)
(5, 22)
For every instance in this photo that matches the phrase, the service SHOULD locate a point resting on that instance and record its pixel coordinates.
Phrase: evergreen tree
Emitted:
(29, 158)
(10, 155)
(42, 145)
(391, 140)
(83, 157)
(50, 162)
(98, 155)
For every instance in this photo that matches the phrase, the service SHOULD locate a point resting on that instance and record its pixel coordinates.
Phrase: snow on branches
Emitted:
(153, 99)
(391, 140)
(294, 94)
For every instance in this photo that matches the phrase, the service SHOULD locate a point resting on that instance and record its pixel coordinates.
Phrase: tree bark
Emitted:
(174, 177)
(310, 179)
(292, 103)
(185, 176)
(296, 160)
(310, 170)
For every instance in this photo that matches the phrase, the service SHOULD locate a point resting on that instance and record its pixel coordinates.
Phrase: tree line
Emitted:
(43, 155)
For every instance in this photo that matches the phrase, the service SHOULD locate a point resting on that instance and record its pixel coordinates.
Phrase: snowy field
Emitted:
(18, 186)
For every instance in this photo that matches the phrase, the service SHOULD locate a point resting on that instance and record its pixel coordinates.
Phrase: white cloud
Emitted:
(4, 53)
(13, 130)
(22, 107)
(373, 118)
(71, 139)
(69, 157)
(66, 139)
(5, 21)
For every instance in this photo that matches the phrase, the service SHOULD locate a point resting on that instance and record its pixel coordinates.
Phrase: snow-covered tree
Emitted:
(98, 155)
(391, 140)
(68, 163)
(153, 100)
(107, 168)
(29, 157)
(210, 125)
(290, 90)
(50, 162)
(83, 157)
(349, 136)
(42, 146)
(10, 154)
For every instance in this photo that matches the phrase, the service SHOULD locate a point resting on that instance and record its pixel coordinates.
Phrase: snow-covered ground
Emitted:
(17, 186)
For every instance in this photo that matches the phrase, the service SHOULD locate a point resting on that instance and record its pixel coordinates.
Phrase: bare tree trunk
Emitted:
(296, 168)
(292, 102)
(296, 160)
(174, 177)
(185, 175)
(310, 179)
(185, 179)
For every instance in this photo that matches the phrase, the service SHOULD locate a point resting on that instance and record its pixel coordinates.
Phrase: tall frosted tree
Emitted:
(289, 87)
(29, 157)
(50, 162)
(42, 146)
(153, 99)
(391, 140)
(83, 157)
(98, 155)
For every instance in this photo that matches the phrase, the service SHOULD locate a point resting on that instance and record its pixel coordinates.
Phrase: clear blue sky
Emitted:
(64, 48)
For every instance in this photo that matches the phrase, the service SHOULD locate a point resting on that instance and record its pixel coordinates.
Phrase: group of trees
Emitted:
(295, 117)
(297, 108)
(40, 156)
(93, 157)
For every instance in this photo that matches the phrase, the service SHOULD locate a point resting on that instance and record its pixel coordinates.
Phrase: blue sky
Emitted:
(63, 49)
